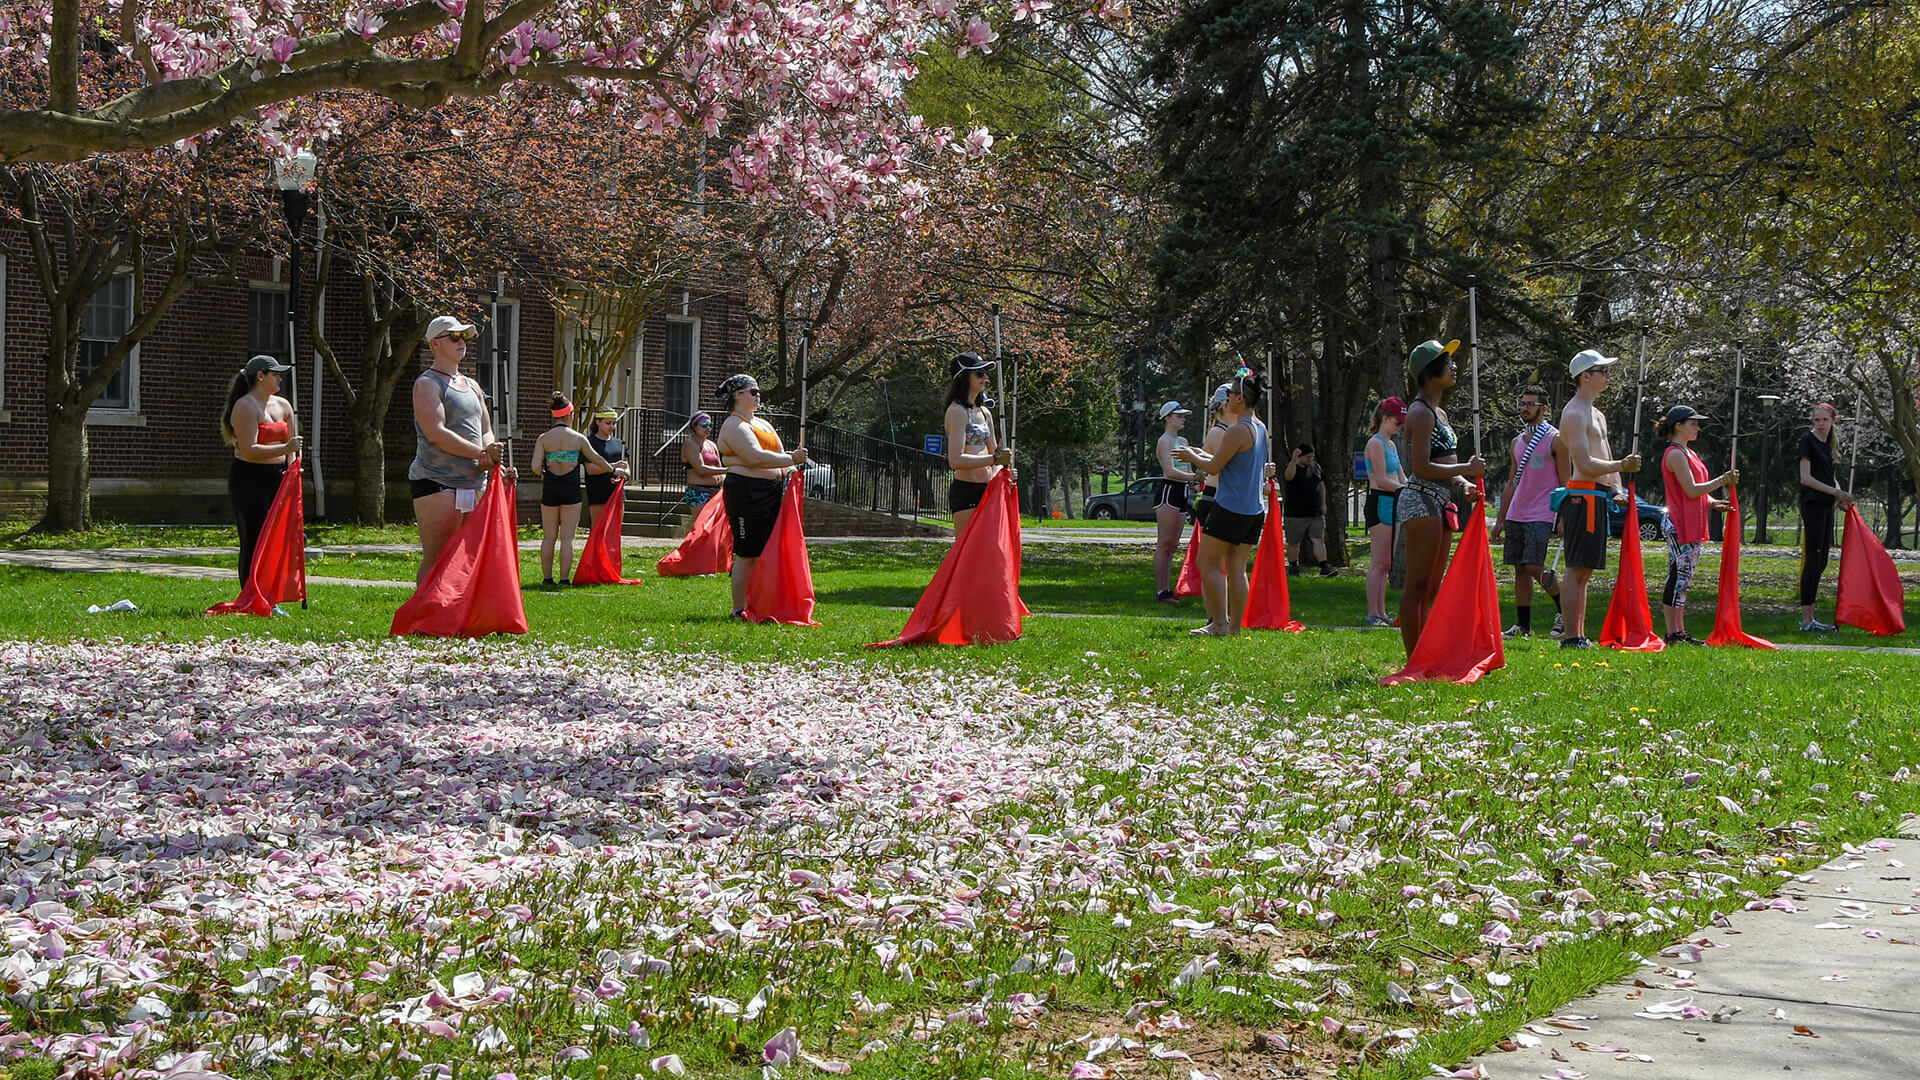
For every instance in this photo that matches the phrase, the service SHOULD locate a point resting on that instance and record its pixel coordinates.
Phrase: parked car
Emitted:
(819, 479)
(1654, 525)
(1132, 503)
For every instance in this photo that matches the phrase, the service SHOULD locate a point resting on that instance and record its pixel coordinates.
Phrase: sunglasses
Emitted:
(460, 335)
(754, 390)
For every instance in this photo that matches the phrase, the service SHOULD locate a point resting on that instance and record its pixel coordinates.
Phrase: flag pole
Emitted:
(1739, 372)
(1853, 453)
(1639, 394)
(999, 382)
(1473, 351)
(803, 394)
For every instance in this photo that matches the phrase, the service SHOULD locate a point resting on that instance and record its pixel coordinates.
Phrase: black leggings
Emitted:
(1816, 543)
(252, 486)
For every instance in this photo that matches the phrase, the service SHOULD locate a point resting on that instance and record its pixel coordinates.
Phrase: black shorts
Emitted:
(1172, 493)
(1229, 527)
(753, 505)
(965, 495)
(560, 490)
(1203, 506)
(599, 488)
(1585, 544)
(421, 489)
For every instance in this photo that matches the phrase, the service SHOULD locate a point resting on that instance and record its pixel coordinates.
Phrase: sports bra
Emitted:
(1443, 442)
(272, 431)
(568, 458)
(763, 432)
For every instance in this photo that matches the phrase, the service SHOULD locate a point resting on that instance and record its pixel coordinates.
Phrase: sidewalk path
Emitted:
(1827, 991)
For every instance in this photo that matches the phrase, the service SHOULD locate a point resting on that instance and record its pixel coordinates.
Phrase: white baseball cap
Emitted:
(1172, 407)
(1587, 359)
(447, 324)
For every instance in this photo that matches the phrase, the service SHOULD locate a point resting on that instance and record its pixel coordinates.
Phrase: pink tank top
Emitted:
(1533, 495)
(1689, 515)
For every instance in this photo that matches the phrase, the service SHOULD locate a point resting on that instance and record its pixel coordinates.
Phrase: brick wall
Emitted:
(165, 459)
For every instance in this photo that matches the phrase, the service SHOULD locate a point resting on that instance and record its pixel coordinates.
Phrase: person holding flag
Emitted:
(454, 447)
(1385, 478)
(1526, 509)
(1689, 495)
(1170, 503)
(1436, 478)
(1819, 491)
(1583, 520)
(1234, 524)
(600, 481)
(556, 461)
(974, 452)
(757, 466)
(259, 424)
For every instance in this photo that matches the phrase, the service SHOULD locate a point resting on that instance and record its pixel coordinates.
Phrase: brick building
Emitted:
(156, 451)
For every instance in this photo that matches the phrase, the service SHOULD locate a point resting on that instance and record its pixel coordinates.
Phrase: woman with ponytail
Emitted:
(556, 460)
(259, 425)
(1689, 495)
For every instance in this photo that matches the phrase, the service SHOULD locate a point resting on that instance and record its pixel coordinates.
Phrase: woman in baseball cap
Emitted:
(974, 452)
(1688, 498)
(454, 448)
(1170, 505)
(259, 424)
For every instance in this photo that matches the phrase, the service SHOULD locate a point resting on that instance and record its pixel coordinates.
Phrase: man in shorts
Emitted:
(1526, 511)
(1304, 513)
(1583, 517)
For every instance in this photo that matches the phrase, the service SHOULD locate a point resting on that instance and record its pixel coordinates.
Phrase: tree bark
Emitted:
(69, 505)
(369, 473)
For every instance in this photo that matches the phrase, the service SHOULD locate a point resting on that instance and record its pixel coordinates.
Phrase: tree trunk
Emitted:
(369, 472)
(69, 506)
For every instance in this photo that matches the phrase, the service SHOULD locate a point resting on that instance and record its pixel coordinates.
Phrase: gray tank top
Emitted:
(465, 409)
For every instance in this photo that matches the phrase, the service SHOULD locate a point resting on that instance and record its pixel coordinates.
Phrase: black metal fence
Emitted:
(843, 467)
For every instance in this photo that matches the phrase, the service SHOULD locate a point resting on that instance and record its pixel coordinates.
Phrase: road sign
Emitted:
(1040, 474)
(934, 444)
(1360, 466)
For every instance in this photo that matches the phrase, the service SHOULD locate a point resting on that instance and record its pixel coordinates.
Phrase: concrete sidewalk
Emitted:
(1827, 991)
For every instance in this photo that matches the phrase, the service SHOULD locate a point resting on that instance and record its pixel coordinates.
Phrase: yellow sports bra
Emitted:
(769, 440)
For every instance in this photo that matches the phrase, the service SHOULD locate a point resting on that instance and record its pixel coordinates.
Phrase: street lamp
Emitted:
(294, 177)
(1138, 453)
(1767, 402)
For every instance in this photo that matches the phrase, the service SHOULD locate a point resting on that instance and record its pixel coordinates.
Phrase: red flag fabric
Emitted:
(1629, 624)
(1188, 583)
(974, 598)
(781, 589)
(474, 587)
(1461, 639)
(279, 570)
(708, 547)
(1268, 605)
(1871, 595)
(1726, 609)
(600, 559)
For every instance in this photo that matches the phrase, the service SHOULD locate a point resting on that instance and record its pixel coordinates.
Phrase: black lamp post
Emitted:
(294, 177)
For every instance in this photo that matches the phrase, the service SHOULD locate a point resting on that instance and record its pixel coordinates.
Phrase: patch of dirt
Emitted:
(1231, 1051)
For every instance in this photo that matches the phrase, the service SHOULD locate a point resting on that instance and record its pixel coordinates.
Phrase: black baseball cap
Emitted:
(968, 361)
(1680, 414)
(262, 363)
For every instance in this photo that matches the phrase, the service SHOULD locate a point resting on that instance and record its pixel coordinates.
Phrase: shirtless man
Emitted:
(1583, 520)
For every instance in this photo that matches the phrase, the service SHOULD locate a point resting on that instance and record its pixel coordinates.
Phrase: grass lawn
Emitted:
(643, 830)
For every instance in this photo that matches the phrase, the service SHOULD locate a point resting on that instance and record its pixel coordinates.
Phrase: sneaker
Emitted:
(1165, 596)
(1559, 624)
(1575, 643)
(1293, 570)
(1681, 637)
(1515, 631)
(1328, 571)
(1377, 620)
(546, 583)
(1815, 626)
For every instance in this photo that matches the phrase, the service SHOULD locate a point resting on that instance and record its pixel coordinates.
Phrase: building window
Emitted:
(267, 323)
(103, 322)
(497, 350)
(681, 365)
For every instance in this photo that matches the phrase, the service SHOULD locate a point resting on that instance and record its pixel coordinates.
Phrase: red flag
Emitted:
(1188, 583)
(600, 559)
(974, 598)
(1871, 595)
(1461, 639)
(1629, 623)
(474, 587)
(1726, 609)
(781, 589)
(1268, 605)
(279, 570)
(708, 547)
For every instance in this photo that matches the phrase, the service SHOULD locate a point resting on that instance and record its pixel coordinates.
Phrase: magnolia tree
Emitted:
(809, 87)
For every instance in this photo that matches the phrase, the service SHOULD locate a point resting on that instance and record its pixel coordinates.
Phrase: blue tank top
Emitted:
(1392, 455)
(1239, 490)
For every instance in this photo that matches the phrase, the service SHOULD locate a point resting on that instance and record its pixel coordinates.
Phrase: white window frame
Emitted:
(5, 416)
(507, 414)
(280, 287)
(693, 365)
(127, 415)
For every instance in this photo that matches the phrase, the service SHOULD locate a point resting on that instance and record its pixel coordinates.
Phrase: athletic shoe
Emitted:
(1559, 624)
(1377, 620)
(1575, 643)
(546, 583)
(1165, 596)
(1683, 638)
(1815, 626)
(1328, 571)
(1515, 631)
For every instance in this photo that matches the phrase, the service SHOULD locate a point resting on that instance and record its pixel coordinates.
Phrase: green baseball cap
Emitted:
(1427, 351)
